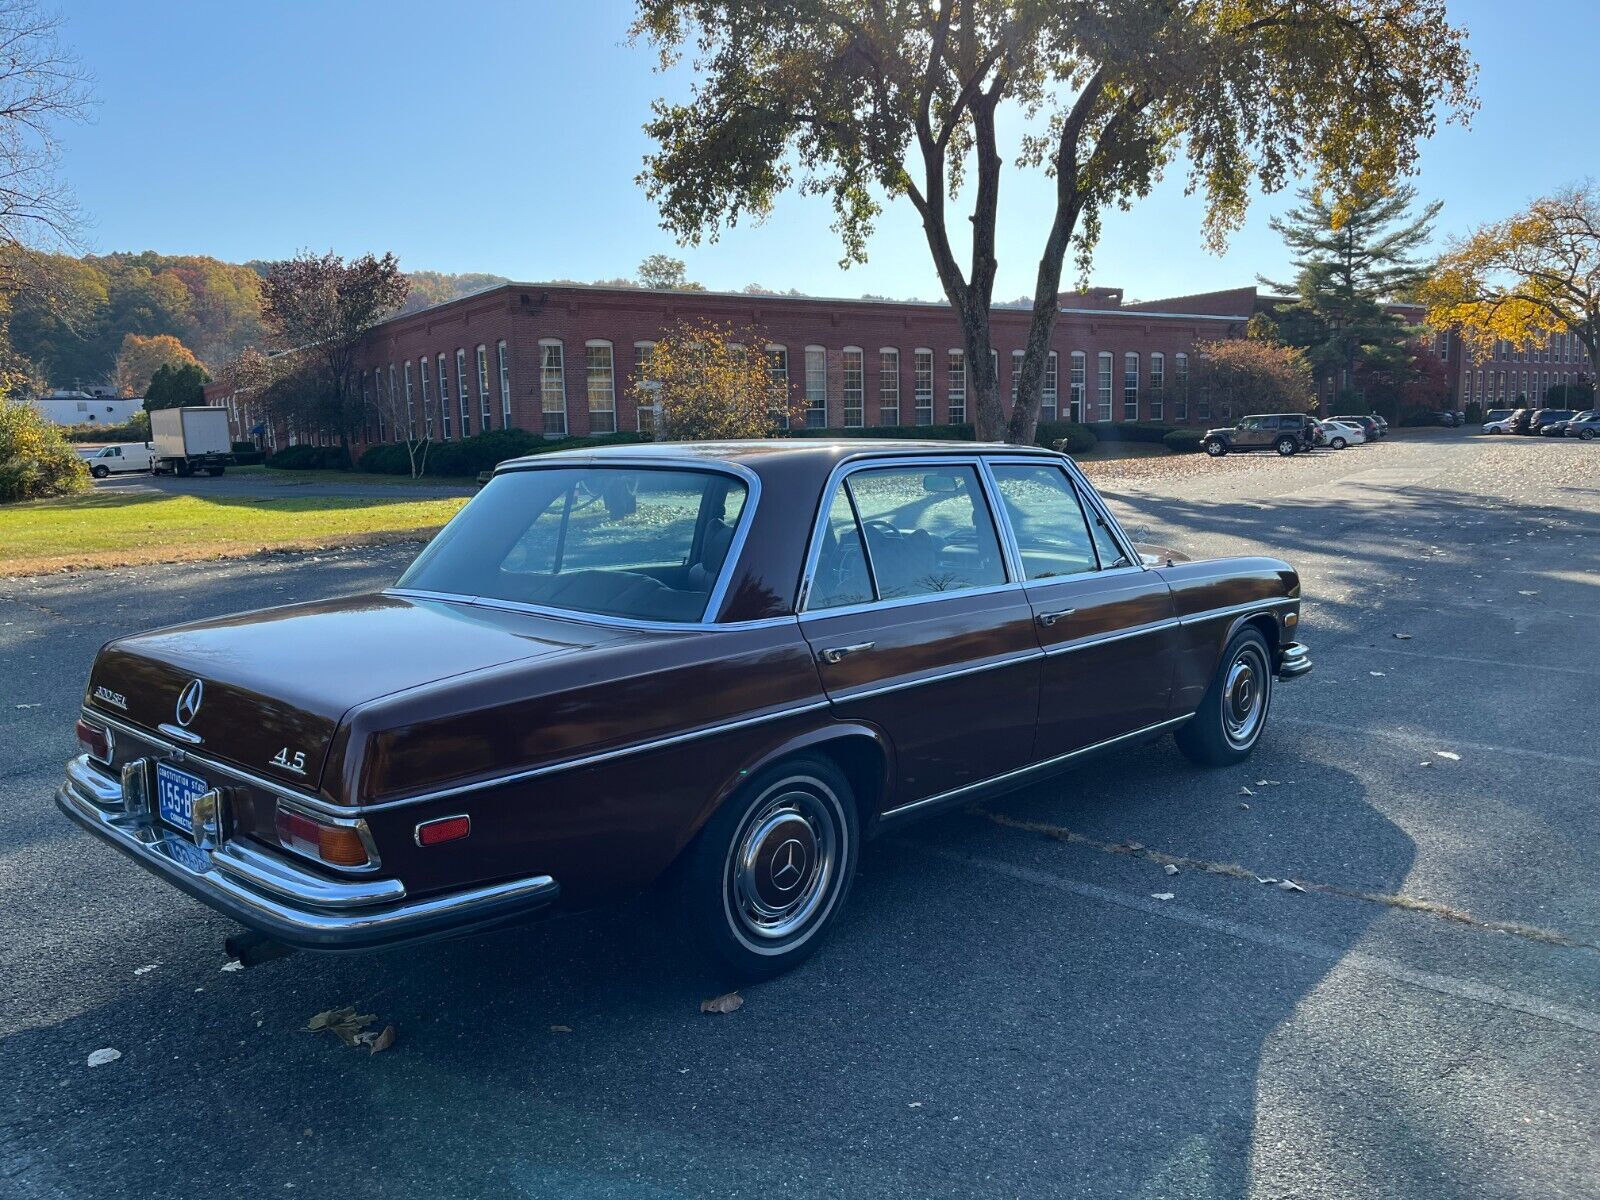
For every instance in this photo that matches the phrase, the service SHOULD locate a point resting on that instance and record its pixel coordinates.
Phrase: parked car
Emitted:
(725, 664)
(125, 456)
(1545, 418)
(1522, 420)
(1584, 425)
(1367, 425)
(1501, 420)
(1497, 414)
(1447, 418)
(1338, 435)
(1287, 433)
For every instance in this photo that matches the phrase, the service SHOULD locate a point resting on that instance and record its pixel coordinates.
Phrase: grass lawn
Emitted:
(112, 529)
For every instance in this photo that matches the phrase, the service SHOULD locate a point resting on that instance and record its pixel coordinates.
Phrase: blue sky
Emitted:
(505, 137)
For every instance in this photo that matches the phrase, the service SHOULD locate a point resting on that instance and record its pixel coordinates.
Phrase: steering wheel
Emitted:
(882, 528)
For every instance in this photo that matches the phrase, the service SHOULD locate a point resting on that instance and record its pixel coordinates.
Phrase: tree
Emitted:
(668, 273)
(709, 385)
(41, 84)
(35, 459)
(1418, 385)
(320, 307)
(1579, 396)
(1525, 278)
(1350, 265)
(1246, 375)
(141, 357)
(177, 386)
(870, 103)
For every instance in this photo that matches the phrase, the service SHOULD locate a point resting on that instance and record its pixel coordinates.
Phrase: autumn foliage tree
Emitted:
(710, 382)
(871, 103)
(141, 357)
(1245, 375)
(1525, 278)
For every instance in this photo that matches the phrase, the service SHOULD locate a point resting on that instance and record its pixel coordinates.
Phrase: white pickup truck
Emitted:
(187, 440)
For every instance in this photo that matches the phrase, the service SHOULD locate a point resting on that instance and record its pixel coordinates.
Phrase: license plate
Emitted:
(176, 792)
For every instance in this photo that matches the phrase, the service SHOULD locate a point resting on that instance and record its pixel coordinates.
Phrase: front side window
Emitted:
(625, 542)
(816, 387)
(926, 531)
(553, 388)
(602, 388)
(1047, 521)
(958, 387)
(888, 386)
(855, 388)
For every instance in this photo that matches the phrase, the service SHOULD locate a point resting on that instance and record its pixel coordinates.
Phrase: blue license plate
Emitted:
(176, 792)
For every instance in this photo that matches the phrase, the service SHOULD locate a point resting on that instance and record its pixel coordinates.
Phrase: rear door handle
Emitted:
(1050, 618)
(837, 654)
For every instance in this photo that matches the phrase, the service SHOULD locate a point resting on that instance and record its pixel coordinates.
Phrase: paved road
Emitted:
(1005, 1010)
(274, 484)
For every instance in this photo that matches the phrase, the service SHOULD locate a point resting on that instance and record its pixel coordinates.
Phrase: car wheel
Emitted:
(1338, 443)
(1233, 712)
(1216, 447)
(770, 870)
(1586, 436)
(99, 472)
(1497, 431)
(1286, 446)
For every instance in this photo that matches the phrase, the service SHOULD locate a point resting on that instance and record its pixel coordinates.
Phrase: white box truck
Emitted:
(187, 440)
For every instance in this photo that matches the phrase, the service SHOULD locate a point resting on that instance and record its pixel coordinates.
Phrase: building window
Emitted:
(1158, 387)
(427, 398)
(815, 388)
(855, 388)
(505, 385)
(602, 388)
(1049, 404)
(552, 388)
(377, 400)
(1016, 376)
(1180, 387)
(444, 399)
(922, 385)
(1107, 376)
(646, 404)
(483, 389)
(778, 377)
(1130, 387)
(1080, 368)
(888, 386)
(461, 392)
(411, 411)
(957, 376)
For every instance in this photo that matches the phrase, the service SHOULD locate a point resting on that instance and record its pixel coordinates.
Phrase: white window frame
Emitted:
(646, 401)
(444, 397)
(1158, 386)
(485, 414)
(922, 384)
(1106, 376)
(427, 399)
(464, 396)
(853, 364)
(553, 388)
(956, 387)
(816, 387)
(777, 358)
(602, 415)
(1180, 392)
(1078, 385)
(1050, 396)
(505, 384)
(888, 385)
(1130, 385)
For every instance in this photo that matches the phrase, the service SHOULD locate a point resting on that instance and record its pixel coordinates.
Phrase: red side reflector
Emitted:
(445, 829)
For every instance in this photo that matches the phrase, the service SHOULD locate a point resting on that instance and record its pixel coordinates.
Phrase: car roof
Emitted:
(756, 452)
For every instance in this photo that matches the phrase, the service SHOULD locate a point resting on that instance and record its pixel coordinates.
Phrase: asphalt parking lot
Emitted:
(1007, 1008)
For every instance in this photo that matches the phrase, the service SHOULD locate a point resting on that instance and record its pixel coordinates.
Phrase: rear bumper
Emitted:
(268, 893)
(1294, 660)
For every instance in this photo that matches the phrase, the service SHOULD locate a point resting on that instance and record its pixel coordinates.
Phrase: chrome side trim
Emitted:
(1106, 638)
(1232, 610)
(583, 618)
(1023, 772)
(817, 614)
(179, 734)
(587, 760)
(902, 685)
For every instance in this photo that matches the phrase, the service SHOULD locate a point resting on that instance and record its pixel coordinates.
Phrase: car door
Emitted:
(1252, 433)
(918, 626)
(1104, 621)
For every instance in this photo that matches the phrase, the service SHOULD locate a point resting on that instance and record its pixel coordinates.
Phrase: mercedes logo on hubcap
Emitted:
(189, 702)
(789, 865)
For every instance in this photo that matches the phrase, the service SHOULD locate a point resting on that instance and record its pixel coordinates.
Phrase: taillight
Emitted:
(96, 740)
(336, 845)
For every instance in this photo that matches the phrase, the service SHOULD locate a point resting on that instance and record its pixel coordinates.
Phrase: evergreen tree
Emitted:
(1349, 264)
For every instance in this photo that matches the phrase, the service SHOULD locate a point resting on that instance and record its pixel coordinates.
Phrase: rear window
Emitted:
(643, 543)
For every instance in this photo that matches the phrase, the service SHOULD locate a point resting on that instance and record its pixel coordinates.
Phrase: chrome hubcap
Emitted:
(1244, 697)
(784, 862)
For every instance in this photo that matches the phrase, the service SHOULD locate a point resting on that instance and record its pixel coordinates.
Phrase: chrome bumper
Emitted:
(1293, 660)
(268, 893)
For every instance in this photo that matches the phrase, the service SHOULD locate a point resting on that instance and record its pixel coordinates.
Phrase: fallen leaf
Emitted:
(1426, 763)
(1450, 754)
(233, 964)
(1265, 879)
(1162, 895)
(1289, 885)
(1244, 791)
(724, 1004)
(1134, 845)
(324, 1019)
(1244, 806)
(145, 970)
(101, 1057)
(1171, 869)
(1376, 674)
(915, 1104)
(374, 1042)
(561, 1029)
(30, 705)
(1403, 637)
(1527, 593)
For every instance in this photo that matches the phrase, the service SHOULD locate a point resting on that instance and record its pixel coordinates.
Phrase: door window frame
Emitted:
(1093, 509)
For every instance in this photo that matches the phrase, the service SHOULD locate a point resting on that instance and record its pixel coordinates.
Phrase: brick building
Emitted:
(559, 358)
(1513, 376)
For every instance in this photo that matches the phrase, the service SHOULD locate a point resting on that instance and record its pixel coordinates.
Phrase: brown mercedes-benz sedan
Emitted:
(721, 666)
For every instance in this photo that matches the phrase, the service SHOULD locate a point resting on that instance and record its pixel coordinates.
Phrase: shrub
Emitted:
(1066, 436)
(481, 452)
(1183, 441)
(246, 454)
(35, 460)
(1131, 431)
(307, 458)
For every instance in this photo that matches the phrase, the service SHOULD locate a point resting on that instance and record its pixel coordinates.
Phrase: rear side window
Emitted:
(925, 531)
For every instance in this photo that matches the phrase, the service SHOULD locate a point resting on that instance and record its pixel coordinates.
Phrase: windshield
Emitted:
(639, 542)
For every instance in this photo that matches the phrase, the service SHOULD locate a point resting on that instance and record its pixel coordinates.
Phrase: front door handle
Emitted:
(1048, 619)
(837, 654)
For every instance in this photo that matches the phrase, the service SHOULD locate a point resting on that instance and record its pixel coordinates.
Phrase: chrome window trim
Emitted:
(602, 460)
(1087, 495)
(817, 614)
(582, 618)
(869, 460)
(868, 693)
(965, 789)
